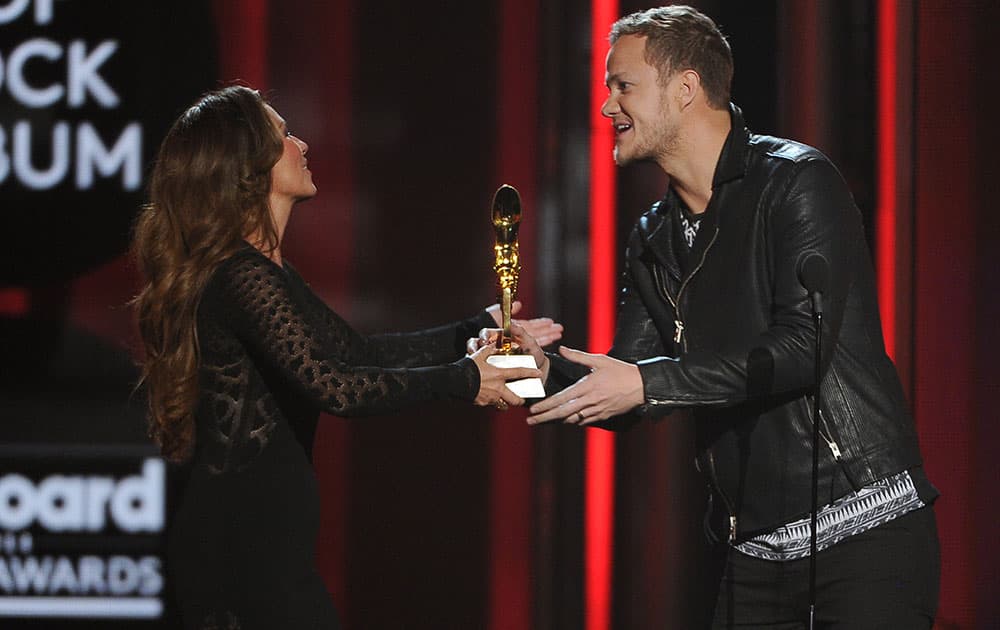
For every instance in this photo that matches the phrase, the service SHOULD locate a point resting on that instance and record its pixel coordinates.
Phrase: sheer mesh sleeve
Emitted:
(412, 349)
(279, 324)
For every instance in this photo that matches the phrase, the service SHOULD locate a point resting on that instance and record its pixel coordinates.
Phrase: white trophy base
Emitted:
(525, 387)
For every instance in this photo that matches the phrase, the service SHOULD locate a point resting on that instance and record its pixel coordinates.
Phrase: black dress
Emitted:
(241, 548)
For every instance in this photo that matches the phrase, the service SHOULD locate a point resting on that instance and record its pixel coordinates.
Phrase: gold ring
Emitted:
(579, 414)
(500, 404)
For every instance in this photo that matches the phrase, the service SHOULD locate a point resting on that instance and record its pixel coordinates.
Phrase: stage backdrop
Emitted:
(448, 516)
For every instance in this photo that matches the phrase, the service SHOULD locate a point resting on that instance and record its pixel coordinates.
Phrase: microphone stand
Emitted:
(818, 319)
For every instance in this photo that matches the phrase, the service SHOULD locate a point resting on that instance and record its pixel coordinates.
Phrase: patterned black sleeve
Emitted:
(282, 329)
(411, 349)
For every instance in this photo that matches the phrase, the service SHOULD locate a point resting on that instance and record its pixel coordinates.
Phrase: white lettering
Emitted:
(30, 574)
(83, 74)
(152, 579)
(88, 575)
(92, 157)
(125, 155)
(19, 86)
(44, 179)
(43, 11)
(98, 492)
(14, 9)
(63, 577)
(17, 507)
(61, 503)
(92, 575)
(137, 504)
(123, 575)
(6, 581)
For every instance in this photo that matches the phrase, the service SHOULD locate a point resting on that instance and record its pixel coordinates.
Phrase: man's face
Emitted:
(637, 105)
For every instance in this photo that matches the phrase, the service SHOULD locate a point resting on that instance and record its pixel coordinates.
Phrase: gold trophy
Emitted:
(507, 265)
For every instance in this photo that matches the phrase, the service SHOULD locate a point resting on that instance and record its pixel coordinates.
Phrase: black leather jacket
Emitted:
(732, 337)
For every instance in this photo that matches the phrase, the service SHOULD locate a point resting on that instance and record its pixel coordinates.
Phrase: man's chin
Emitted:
(625, 160)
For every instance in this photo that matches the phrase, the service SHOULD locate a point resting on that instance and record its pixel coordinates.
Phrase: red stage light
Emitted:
(885, 217)
(600, 450)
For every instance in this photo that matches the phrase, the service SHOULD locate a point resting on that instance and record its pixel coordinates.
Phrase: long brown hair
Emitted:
(208, 191)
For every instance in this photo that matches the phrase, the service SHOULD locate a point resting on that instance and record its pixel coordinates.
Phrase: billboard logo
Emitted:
(62, 503)
(82, 544)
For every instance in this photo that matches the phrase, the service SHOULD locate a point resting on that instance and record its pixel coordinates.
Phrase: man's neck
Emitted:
(692, 167)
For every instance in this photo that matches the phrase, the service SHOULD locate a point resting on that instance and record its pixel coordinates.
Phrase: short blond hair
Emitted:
(679, 37)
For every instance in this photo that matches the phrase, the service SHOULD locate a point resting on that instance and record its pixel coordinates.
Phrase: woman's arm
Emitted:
(278, 326)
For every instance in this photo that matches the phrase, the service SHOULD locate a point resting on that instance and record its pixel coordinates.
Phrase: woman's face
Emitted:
(291, 180)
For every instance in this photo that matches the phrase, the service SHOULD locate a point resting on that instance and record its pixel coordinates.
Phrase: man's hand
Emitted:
(612, 388)
(543, 329)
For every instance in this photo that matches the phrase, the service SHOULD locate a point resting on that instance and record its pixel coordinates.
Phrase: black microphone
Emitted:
(814, 274)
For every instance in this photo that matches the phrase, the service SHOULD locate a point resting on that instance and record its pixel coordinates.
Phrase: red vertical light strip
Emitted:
(511, 474)
(600, 445)
(242, 26)
(885, 219)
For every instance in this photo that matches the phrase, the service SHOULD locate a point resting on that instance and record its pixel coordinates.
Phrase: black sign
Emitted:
(87, 90)
(81, 533)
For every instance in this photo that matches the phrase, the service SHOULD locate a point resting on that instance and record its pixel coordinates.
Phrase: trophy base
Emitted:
(525, 387)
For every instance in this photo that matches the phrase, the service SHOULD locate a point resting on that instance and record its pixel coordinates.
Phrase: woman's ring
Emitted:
(579, 415)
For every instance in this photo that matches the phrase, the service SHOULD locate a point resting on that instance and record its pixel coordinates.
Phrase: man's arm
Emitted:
(636, 337)
(817, 214)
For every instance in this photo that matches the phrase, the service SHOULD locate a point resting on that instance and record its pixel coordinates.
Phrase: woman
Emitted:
(241, 357)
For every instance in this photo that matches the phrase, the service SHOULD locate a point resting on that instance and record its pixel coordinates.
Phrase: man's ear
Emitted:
(688, 88)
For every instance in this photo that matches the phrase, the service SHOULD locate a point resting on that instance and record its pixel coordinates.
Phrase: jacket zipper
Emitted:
(834, 448)
(662, 286)
(827, 436)
(713, 481)
(682, 341)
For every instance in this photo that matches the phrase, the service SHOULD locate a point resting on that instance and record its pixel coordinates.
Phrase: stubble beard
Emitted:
(662, 140)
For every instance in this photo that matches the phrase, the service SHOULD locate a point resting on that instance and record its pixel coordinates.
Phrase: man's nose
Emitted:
(610, 107)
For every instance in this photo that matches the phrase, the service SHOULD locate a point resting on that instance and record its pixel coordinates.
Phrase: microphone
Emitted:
(814, 274)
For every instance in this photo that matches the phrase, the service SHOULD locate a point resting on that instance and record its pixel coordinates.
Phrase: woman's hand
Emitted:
(543, 329)
(493, 388)
(523, 340)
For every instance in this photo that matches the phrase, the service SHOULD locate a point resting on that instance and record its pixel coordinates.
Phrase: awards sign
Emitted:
(86, 92)
(77, 152)
(81, 533)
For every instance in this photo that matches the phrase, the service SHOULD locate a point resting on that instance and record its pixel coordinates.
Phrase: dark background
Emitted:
(452, 517)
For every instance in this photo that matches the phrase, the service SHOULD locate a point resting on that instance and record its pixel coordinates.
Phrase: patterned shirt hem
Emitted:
(873, 505)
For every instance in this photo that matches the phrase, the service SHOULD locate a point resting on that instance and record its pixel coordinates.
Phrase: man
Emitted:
(713, 317)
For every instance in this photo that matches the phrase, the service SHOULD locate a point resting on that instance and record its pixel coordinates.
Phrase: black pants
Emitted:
(886, 577)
